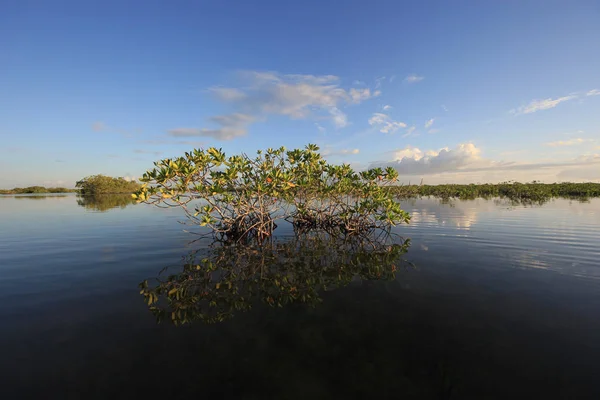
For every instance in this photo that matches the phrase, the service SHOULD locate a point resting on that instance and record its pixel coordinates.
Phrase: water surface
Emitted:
(503, 301)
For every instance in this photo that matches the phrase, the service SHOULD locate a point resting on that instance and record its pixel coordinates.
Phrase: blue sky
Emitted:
(461, 91)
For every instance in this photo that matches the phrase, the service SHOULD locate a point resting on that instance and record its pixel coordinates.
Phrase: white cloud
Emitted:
(411, 152)
(429, 123)
(387, 107)
(350, 151)
(584, 173)
(155, 141)
(464, 164)
(385, 124)
(413, 78)
(392, 78)
(329, 152)
(231, 126)
(219, 134)
(184, 132)
(378, 82)
(340, 119)
(570, 142)
(433, 131)
(320, 128)
(377, 118)
(588, 158)
(360, 95)
(409, 131)
(593, 92)
(228, 94)
(295, 96)
(312, 79)
(193, 143)
(444, 108)
(574, 132)
(538, 105)
(414, 161)
(140, 151)
(236, 119)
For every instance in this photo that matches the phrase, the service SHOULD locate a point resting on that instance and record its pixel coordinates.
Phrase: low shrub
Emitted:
(243, 197)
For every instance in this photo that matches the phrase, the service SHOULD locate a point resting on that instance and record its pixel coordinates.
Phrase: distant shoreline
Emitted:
(532, 191)
(38, 189)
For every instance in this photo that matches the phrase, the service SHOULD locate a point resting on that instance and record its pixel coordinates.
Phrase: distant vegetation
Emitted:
(37, 189)
(532, 192)
(101, 184)
(524, 192)
(91, 185)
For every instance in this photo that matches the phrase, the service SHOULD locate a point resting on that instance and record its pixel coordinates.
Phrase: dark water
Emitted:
(504, 302)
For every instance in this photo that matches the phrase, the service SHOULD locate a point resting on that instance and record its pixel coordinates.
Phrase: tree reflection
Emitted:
(224, 279)
(103, 203)
(36, 197)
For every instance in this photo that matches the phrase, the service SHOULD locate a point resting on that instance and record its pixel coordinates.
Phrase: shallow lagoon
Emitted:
(503, 300)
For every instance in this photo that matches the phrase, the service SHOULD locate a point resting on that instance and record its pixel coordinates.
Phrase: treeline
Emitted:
(91, 185)
(533, 191)
(101, 184)
(37, 189)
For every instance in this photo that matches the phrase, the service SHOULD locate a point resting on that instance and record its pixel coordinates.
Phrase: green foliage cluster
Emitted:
(532, 192)
(231, 279)
(101, 184)
(242, 197)
(36, 189)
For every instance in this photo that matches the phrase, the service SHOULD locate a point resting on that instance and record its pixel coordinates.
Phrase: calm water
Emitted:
(503, 302)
